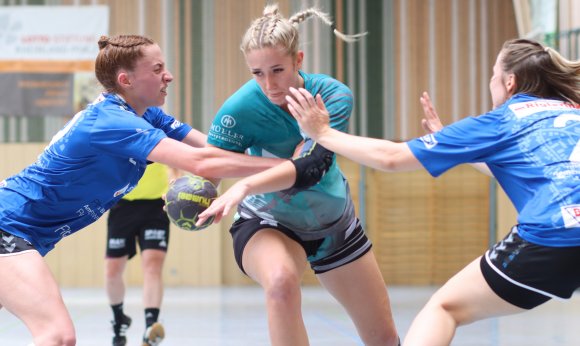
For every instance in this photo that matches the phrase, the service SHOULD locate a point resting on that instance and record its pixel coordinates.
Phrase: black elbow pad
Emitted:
(312, 165)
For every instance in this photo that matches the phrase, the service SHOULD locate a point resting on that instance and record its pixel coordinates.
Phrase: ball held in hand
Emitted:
(188, 197)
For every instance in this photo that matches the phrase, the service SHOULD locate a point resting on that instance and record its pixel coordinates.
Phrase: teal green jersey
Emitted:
(249, 122)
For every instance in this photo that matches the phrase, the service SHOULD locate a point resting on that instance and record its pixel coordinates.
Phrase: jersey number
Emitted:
(561, 121)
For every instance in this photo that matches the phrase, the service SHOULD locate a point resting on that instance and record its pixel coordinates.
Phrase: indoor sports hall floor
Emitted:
(235, 316)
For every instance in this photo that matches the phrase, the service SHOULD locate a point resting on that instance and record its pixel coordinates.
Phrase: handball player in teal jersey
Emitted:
(277, 234)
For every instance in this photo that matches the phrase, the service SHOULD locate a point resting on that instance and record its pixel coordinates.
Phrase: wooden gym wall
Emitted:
(423, 229)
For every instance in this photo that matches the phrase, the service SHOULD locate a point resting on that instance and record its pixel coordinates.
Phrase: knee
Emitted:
(111, 274)
(64, 337)
(383, 333)
(151, 270)
(113, 270)
(283, 287)
(115, 277)
(153, 264)
(447, 311)
(67, 336)
(385, 336)
(69, 340)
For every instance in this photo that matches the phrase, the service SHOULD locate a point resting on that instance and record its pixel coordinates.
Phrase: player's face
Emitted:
(146, 85)
(501, 83)
(275, 72)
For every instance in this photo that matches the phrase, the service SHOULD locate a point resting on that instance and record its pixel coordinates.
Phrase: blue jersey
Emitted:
(96, 159)
(532, 147)
(249, 122)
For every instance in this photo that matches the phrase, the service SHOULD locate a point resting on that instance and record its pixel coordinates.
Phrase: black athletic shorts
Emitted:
(142, 221)
(527, 275)
(323, 254)
(12, 245)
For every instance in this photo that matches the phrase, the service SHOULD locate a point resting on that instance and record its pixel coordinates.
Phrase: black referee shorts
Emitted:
(140, 221)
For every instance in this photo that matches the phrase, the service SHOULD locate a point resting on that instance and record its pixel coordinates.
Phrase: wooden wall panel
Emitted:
(402, 225)
(426, 229)
(569, 14)
(123, 17)
(476, 47)
(153, 19)
(463, 66)
(442, 76)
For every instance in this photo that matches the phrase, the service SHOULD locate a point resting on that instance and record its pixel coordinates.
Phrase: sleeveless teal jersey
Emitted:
(249, 122)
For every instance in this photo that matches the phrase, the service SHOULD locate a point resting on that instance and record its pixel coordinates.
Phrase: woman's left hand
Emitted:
(431, 122)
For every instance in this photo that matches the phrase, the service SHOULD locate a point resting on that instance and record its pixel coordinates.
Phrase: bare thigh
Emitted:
(468, 297)
(32, 293)
(360, 288)
(268, 252)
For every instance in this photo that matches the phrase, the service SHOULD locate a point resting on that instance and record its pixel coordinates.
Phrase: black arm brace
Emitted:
(311, 166)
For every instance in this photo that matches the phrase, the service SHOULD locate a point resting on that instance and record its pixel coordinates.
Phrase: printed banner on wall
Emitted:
(47, 57)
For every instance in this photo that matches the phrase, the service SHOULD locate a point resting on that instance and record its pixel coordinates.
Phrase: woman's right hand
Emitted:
(222, 205)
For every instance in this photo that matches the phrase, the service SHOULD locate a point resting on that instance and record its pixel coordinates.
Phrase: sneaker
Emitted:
(154, 334)
(120, 329)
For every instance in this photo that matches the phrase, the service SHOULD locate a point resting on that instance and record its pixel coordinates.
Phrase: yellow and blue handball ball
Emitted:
(188, 197)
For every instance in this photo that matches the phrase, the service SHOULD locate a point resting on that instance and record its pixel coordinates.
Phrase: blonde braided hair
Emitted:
(273, 30)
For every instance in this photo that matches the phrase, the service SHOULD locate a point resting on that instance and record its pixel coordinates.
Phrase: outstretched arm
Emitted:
(313, 118)
(277, 178)
(294, 175)
(195, 138)
(208, 162)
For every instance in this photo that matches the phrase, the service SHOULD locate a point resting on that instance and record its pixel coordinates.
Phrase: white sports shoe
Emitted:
(154, 334)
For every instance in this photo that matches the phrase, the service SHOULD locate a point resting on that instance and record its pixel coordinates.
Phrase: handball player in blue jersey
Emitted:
(277, 234)
(97, 158)
(530, 142)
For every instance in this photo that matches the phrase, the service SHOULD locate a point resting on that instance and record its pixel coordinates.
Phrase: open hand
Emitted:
(310, 113)
(431, 123)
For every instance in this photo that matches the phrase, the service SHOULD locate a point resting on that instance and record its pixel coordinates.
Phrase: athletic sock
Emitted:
(118, 314)
(151, 315)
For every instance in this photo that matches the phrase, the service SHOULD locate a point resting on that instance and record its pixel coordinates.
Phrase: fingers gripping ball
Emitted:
(186, 198)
